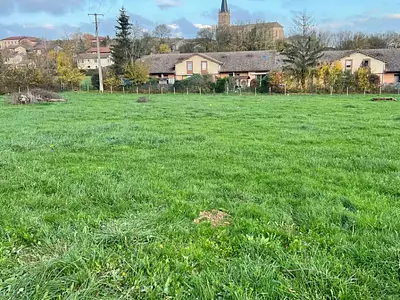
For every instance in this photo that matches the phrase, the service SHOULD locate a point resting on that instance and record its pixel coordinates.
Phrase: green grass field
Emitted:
(99, 195)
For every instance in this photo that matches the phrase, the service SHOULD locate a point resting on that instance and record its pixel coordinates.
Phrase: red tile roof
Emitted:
(102, 50)
(18, 38)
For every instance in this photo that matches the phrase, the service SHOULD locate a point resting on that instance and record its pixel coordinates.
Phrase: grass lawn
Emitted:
(99, 195)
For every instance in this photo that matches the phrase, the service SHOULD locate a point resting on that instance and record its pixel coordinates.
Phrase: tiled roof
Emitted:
(261, 61)
(93, 55)
(102, 50)
(230, 61)
(18, 38)
(390, 56)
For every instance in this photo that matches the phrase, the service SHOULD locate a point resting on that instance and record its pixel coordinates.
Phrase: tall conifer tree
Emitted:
(122, 50)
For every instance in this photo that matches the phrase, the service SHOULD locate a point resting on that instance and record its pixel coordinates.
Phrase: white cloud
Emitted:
(173, 26)
(165, 4)
(202, 26)
(393, 16)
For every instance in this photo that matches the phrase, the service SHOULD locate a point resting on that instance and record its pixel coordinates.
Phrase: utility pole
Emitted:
(96, 22)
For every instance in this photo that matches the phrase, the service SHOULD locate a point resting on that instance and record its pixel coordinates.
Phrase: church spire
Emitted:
(224, 6)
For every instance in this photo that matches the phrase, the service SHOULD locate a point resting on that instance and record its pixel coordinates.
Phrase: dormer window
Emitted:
(366, 63)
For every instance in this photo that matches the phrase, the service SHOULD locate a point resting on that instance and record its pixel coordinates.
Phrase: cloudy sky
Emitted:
(58, 18)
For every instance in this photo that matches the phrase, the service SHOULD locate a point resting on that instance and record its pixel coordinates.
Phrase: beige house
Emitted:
(89, 61)
(248, 65)
(14, 59)
(197, 64)
(18, 40)
(383, 62)
(245, 65)
(18, 49)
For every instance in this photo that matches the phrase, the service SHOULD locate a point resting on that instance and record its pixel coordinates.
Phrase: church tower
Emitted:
(224, 16)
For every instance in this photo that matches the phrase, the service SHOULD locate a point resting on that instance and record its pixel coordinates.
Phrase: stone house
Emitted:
(88, 61)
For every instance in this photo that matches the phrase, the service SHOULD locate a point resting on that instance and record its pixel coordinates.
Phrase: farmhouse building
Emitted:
(17, 41)
(383, 62)
(248, 65)
(88, 61)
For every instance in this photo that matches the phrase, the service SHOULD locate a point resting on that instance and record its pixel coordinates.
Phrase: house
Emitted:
(88, 61)
(17, 49)
(18, 40)
(383, 62)
(92, 39)
(249, 65)
(14, 59)
(245, 65)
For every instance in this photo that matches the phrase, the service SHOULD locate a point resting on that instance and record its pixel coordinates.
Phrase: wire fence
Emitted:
(161, 89)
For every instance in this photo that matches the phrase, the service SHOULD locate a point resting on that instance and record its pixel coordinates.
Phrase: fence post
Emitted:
(285, 89)
(174, 91)
(270, 91)
(200, 91)
(380, 90)
(187, 91)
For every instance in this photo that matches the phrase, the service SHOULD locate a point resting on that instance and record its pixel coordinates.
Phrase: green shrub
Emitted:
(196, 82)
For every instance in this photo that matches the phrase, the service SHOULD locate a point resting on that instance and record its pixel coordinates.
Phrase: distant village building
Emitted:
(18, 40)
(89, 61)
(271, 30)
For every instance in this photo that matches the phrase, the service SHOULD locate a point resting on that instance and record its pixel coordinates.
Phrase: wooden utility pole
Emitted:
(96, 22)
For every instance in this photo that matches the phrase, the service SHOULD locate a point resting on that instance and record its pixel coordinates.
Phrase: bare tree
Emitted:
(206, 38)
(162, 32)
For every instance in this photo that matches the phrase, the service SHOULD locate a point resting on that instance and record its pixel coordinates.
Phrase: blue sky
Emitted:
(56, 19)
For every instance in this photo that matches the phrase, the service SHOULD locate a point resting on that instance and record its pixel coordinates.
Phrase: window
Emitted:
(365, 63)
(204, 67)
(349, 64)
(189, 67)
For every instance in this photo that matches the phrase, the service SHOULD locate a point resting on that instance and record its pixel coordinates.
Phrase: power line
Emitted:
(96, 22)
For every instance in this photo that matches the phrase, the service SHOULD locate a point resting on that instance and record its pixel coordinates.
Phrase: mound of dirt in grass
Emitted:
(384, 99)
(143, 100)
(215, 217)
(35, 96)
